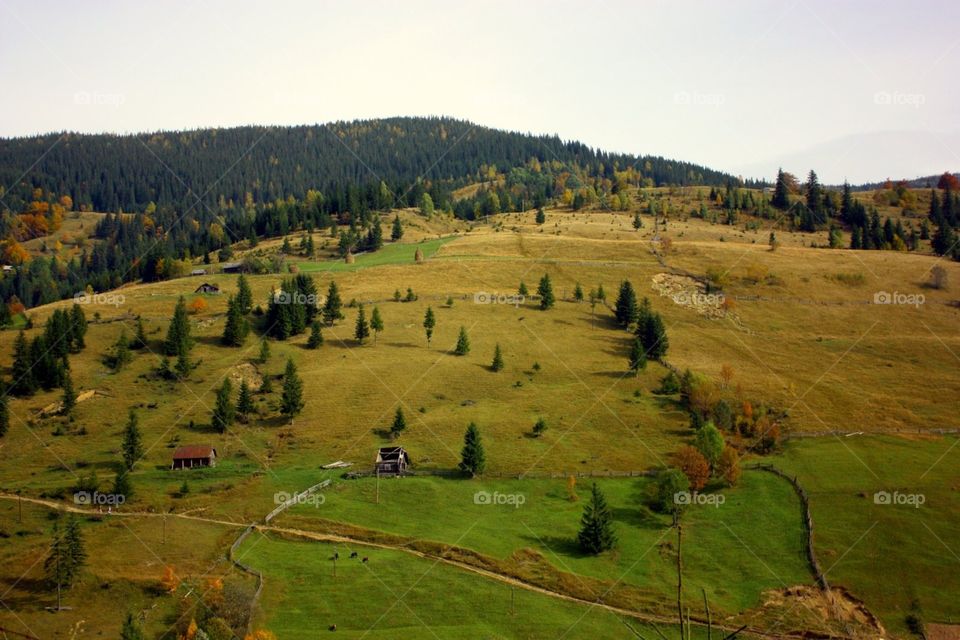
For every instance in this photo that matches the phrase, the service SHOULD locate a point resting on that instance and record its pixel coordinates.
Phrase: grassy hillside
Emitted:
(800, 333)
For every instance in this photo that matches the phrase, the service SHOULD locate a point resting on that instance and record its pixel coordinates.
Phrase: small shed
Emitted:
(194, 455)
(392, 461)
(231, 267)
(206, 287)
(198, 272)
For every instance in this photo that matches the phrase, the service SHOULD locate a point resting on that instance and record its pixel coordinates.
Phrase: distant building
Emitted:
(392, 461)
(206, 287)
(231, 267)
(198, 272)
(194, 455)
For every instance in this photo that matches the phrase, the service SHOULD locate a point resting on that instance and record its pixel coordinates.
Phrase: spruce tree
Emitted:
(397, 231)
(596, 526)
(178, 334)
(578, 293)
(316, 336)
(522, 290)
(361, 330)
(245, 400)
(24, 383)
(4, 413)
(638, 357)
(333, 304)
(399, 422)
(472, 458)
(264, 354)
(376, 323)
(223, 409)
(78, 328)
(132, 446)
(122, 485)
(781, 192)
(69, 395)
(545, 291)
(541, 216)
(244, 295)
(626, 306)
(183, 366)
(463, 343)
(121, 351)
(637, 221)
(291, 402)
(429, 323)
(140, 337)
(497, 364)
(653, 336)
(131, 630)
(236, 329)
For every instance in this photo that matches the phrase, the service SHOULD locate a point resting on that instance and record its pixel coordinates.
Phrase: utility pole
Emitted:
(378, 486)
(679, 572)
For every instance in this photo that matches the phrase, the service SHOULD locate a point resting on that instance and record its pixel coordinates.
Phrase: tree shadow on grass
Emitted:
(639, 517)
(563, 546)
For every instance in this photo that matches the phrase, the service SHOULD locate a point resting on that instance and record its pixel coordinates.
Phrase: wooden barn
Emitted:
(392, 461)
(194, 455)
(206, 287)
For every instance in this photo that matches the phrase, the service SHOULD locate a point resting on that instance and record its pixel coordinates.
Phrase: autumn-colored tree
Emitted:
(197, 305)
(948, 181)
(694, 466)
(169, 581)
(13, 253)
(260, 634)
(728, 466)
(726, 374)
(191, 631)
(747, 410)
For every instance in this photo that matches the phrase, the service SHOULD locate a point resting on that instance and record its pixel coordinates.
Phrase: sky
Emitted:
(858, 91)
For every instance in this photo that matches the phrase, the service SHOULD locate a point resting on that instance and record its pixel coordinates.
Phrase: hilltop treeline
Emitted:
(363, 164)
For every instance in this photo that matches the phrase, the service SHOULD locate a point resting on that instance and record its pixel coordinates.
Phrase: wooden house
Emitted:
(392, 461)
(194, 455)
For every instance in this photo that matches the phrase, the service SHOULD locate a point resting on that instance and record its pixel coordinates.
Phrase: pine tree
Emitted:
(596, 526)
(223, 409)
(178, 334)
(73, 539)
(463, 343)
(236, 329)
(472, 458)
(653, 336)
(131, 630)
(132, 446)
(539, 427)
(376, 323)
(638, 357)
(522, 290)
(626, 307)
(399, 422)
(266, 385)
(183, 366)
(541, 216)
(545, 291)
(316, 336)
(637, 221)
(291, 402)
(497, 364)
(429, 323)
(264, 354)
(396, 233)
(24, 383)
(361, 330)
(245, 400)
(69, 395)
(578, 293)
(331, 308)
(244, 295)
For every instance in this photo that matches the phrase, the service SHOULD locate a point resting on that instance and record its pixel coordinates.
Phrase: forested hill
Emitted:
(342, 160)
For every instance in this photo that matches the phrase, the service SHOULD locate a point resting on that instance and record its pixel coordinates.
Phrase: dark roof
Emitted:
(194, 451)
(391, 453)
(230, 265)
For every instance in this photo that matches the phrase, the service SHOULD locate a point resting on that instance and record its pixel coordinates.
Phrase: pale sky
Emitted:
(856, 90)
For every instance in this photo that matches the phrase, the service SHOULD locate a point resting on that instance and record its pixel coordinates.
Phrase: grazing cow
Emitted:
(354, 554)
(333, 627)
(365, 559)
(336, 555)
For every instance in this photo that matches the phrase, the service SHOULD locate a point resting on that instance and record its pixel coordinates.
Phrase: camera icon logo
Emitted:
(482, 497)
(882, 297)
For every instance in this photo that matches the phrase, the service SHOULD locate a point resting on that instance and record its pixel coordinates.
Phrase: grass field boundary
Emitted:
(552, 475)
(807, 520)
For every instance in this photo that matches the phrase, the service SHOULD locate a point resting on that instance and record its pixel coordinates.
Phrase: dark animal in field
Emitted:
(354, 554)
(365, 559)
